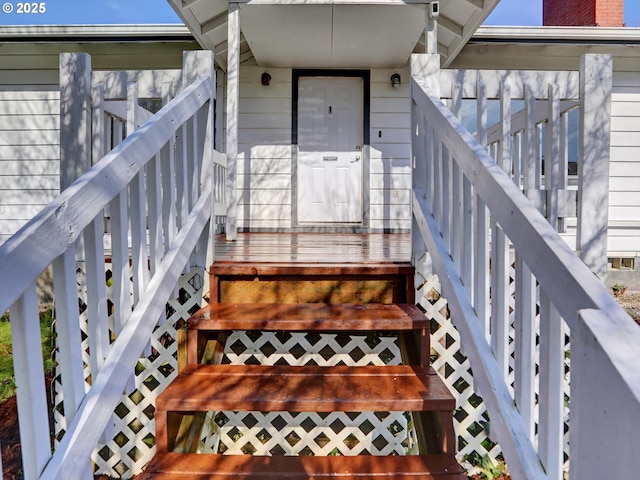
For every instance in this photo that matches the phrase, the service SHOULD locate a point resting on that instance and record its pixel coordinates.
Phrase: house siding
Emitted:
(30, 114)
(624, 184)
(29, 146)
(266, 156)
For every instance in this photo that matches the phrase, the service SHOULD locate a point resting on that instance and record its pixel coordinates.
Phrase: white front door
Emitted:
(330, 144)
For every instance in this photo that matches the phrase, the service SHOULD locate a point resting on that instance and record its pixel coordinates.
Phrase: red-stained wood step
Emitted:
(308, 317)
(173, 466)
(306, 389)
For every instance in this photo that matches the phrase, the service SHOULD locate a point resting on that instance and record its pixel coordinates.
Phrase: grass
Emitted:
(7, 379)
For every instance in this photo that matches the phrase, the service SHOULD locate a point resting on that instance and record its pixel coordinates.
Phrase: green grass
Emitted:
(7, 380)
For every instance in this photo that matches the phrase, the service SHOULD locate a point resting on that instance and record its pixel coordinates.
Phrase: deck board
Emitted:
(333, 248)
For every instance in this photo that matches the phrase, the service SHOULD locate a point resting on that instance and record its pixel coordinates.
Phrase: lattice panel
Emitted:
(471, 419)
(131, 435)
(309, 433)
(299, 348)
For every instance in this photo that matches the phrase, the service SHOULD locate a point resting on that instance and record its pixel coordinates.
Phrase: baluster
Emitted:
(29, 377)
(154, 187)
(517, 159)
(182, 184)
(482, 224)
(500, 261)
(437, 179)
(446, 197)
(505, 160)
(68, 332)
(139, 257)
(457, 215)
(120, 262)
(529, 173)
(525, 344)
(467, 228)
(98, 144)
(551, 403)
(168, 167)
(430, 158)
(552, 156)
(190, 160)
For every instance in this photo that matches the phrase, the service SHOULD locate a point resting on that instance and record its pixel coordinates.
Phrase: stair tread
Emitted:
(306, 389)
(293, 268)
(218, 467)
(308, 316)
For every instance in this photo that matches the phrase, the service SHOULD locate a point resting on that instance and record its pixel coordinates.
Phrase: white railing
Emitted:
(159, 184)
(474, 222)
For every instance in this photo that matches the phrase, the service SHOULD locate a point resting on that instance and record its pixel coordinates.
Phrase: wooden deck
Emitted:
(331, 248)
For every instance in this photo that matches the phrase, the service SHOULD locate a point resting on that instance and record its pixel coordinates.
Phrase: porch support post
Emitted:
(596, 83)
(75, 116)
(233, 98)
(425, 66)
(197, 64)
(431, 32)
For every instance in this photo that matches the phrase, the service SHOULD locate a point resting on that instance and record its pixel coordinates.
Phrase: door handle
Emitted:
(357, 159)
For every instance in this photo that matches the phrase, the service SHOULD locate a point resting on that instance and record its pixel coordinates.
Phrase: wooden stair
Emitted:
(207, 385)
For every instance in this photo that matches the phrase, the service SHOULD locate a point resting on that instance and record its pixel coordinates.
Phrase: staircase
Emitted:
(321, 298)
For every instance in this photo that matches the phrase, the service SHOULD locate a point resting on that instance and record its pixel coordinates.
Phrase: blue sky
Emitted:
(508, 12)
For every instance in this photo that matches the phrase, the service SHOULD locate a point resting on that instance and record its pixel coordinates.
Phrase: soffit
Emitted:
(332, 33)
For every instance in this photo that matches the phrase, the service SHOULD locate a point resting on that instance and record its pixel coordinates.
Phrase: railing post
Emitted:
(199, 64)
(29, 373)
(426, 66)
(605, 413)
(233, 99)
(75, 116)
(596, 83)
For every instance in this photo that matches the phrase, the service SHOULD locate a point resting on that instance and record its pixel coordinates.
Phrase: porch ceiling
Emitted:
(332, 33)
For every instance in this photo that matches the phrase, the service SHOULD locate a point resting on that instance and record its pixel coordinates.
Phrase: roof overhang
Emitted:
(332, 33)
(549, 48)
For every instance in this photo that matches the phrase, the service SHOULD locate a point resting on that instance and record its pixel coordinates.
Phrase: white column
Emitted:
(596, 83)
(75, 116)
(233, 98)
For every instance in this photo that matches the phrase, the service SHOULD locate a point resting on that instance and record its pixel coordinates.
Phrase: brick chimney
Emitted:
(601, 13)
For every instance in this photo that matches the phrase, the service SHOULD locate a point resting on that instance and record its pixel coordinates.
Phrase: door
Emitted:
(330, 144)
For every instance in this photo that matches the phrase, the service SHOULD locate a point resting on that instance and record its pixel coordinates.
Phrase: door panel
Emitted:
(330, 138)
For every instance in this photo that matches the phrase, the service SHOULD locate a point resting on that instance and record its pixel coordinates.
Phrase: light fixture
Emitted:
(395, 80)
(265, 79)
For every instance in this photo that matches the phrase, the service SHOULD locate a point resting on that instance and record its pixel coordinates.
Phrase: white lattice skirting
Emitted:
(131, 436)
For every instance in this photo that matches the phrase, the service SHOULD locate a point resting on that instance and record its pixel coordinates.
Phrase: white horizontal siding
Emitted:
(624, 181)
(29, 148)
(264, 160)
(390, 152)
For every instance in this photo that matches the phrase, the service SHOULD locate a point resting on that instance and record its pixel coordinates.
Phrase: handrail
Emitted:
(568, 284)
(169, 196)
(57, 226)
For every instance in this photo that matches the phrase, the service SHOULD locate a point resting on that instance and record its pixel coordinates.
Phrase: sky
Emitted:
(67, 12)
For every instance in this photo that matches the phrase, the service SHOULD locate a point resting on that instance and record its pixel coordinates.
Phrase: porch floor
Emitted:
(330, 248)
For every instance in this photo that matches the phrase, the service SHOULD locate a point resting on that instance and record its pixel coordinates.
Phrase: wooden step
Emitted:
(305, 389)
(173, 466)
(203, 388)
(311, 283)
(372, 317)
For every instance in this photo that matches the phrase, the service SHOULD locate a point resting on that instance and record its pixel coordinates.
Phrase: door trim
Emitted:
(366, 105)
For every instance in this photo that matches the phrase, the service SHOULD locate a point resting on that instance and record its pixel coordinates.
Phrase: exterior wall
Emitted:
(264, 150)
(624, 195)
(602, 13)
(390, 157)
(30, 110)
(29, 146)
(265, 163)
